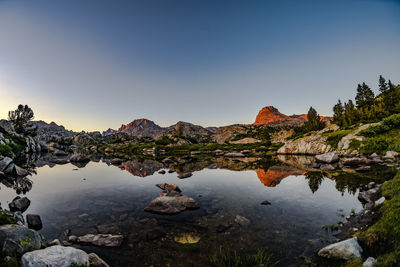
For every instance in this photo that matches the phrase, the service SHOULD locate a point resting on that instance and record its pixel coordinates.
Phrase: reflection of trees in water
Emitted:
(19, 184)
(314, 180)
(350, 182)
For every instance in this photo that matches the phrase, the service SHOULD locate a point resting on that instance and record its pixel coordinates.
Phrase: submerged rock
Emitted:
(344, 250)
(242, 221)
(187, 238)
(171, 204)
(106, 240)
(55, 256)
(96, 261)
(154, 234)
(223, 227)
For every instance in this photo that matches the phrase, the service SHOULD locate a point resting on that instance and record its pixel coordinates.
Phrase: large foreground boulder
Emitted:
(16, 240)
(344, 250)
(55, 256)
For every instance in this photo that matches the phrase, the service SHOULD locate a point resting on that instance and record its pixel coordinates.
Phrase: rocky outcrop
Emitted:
(182, 128)
(51, 131)
(15, 240)
(344, 250)
(83, 139)
(227, 133)
(6, 127)
(313, 144)
(344, 143)
(8, 135)
(247, 140)
(55, 256)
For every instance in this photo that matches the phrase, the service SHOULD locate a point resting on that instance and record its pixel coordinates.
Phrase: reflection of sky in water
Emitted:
(60, 194)
(62, 181)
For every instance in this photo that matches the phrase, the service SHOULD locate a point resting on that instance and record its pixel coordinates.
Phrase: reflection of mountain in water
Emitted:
(275, 174)
(142, 168)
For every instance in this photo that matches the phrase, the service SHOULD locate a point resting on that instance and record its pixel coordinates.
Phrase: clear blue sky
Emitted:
(91, 65)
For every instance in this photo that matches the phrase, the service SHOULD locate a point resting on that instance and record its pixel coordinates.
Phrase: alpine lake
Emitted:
(245, 205)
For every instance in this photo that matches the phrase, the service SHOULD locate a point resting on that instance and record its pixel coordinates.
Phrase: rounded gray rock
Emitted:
(55, 256)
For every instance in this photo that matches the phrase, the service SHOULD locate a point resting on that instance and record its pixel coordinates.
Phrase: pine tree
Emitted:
(383, 86)
(20, 118)
(359, 96)
(365, 96)
(349, 112)
(338, 112)
(391, 85)
(368, 94)
(314, 122)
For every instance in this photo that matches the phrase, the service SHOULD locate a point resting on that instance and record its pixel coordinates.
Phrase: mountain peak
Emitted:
(270, 114)
(141, 127)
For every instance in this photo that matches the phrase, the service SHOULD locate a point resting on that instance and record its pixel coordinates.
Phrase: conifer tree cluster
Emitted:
(368, 107)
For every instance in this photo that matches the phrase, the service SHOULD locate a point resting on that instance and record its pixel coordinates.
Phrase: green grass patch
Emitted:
(333, 138)
(383, 238)
(6, 150)
(382, 143)
(227, 258)
(387, 124)
(355, 144)
(5, 219)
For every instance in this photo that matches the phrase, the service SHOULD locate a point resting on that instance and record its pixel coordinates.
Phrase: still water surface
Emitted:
(102, 198)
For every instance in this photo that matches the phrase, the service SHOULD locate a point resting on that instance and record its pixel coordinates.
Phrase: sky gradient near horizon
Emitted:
(91, 65)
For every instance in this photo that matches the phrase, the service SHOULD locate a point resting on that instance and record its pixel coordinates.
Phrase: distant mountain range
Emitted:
(269, 116)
